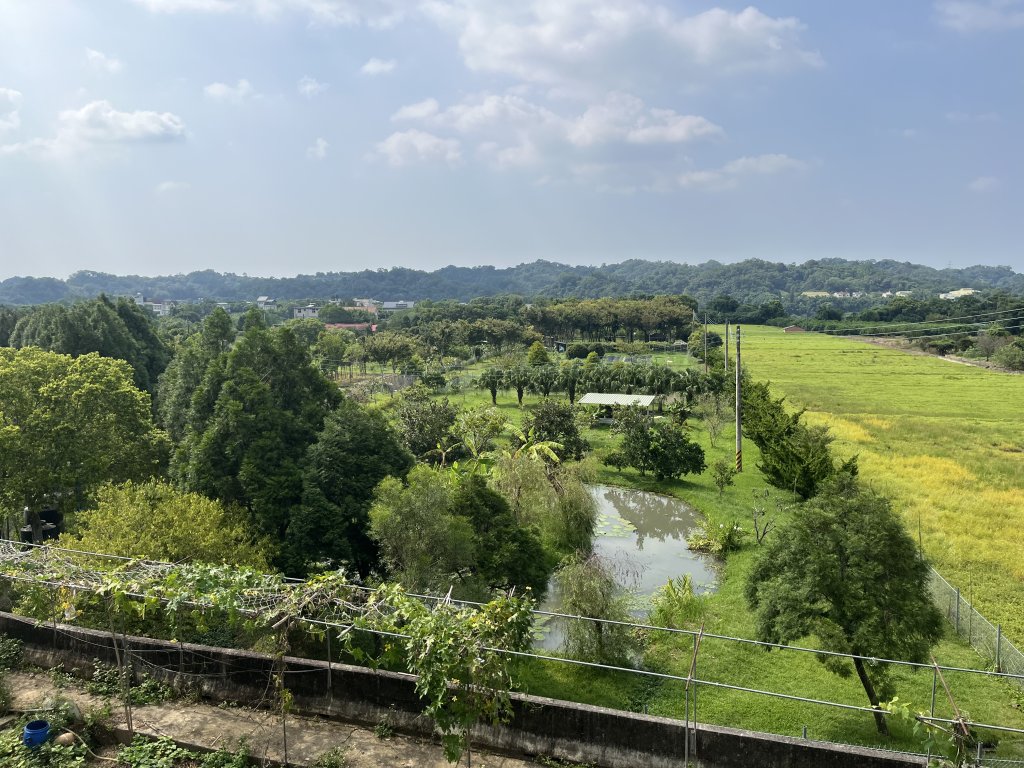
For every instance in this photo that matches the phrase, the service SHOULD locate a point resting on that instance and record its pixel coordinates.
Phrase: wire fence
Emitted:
(980, 633)
(971, 625)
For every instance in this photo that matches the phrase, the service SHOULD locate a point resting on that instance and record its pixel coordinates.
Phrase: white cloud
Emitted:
(317, 150)
(377, 66)
(380, 14)
(983, 184)
(165, 187)
(100, 61)
(729, 174)
(622, 117)
(412, 146)
(99, 123)
(418, 111)
(10, 103)
(232, 94)
(619, 43)
(310, 87)
(618, 136)
(968, 117)
(909, 133)
(980, 15)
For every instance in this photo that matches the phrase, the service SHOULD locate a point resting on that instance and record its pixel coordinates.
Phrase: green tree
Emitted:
(794, 457)
(424, 543)
(545, 379)
(507, 555)
(72, 425)
(425, 424)
(661, 447)
(589, 588)
(479, 428)
(492, 380)
(455, 654)
(537, 355)
(557, 422)
(845, 571)
(519, 378)
(121, 330)
(570, 376)
(724, 474)
(155, 521)
(258, 409)
(355, 451)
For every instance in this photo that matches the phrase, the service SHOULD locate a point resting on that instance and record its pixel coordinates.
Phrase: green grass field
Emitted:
(936, 437)
(944, 440)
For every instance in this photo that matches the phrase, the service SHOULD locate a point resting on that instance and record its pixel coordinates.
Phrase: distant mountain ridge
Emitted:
(752, 281)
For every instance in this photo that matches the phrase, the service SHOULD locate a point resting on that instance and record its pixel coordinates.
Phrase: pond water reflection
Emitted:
(643, 536)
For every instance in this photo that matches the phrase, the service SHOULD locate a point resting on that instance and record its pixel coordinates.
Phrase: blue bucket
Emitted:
(36, 733)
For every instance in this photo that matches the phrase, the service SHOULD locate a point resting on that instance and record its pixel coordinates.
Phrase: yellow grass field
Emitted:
(944, 440)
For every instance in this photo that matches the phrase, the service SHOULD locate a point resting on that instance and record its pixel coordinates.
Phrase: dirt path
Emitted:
(213, 727)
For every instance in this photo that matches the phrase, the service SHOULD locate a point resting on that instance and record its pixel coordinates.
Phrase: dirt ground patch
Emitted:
(213, 727)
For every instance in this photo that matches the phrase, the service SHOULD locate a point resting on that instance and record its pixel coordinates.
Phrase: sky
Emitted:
(278, 137)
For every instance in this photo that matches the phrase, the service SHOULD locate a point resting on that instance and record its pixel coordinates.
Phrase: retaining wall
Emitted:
(540, 726)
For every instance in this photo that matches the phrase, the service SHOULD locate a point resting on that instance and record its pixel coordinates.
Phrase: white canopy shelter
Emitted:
(603, 398)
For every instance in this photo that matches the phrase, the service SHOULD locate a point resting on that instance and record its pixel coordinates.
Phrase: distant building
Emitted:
(903, 294)
(369, 309)
(815, 294)
(396, 306)
(310, 311)
(958, 294)
(265, 302)
(357, 327)
(793, 329)
(158, 308)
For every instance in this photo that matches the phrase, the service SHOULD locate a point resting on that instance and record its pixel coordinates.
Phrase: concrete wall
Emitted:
(540, 726)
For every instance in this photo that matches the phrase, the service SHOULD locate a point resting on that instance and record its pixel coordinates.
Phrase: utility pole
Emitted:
(705, 343)
(726, 346)
(739, 407)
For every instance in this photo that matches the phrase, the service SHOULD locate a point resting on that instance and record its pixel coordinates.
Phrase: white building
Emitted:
(310, 311)
(958, 294)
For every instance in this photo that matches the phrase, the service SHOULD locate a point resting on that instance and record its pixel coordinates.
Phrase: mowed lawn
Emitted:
(944, 440)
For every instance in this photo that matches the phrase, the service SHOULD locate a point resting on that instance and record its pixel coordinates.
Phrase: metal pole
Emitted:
(935, 685)
(726, 346)
(705, 343)
(739, 407)
(330, 679)
(999, 647)
(958, 610)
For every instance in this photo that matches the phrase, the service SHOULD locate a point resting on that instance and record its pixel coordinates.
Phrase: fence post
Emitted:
(999, 647)
(958, 610)
(935, 683)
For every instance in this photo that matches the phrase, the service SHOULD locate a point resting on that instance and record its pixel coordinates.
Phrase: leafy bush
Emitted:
(110, 681)
(716, 541)
(14, 754)
(10, 652)
(676, 605)
(164, 753)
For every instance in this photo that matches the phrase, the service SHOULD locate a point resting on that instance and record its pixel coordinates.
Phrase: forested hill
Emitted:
(751, 281)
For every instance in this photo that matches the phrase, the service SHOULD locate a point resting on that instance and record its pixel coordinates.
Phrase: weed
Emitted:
(384, 729)
(10, 652)
(14, 754)
(332, 758)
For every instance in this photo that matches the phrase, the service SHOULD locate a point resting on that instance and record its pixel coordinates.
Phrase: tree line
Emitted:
(750, 281)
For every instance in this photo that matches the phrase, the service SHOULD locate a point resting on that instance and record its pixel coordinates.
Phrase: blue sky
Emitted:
(274, 137)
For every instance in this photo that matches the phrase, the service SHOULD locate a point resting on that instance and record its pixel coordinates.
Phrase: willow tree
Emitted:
(847, 573)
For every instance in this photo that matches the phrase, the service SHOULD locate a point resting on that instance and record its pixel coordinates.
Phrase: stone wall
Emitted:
(603, 737)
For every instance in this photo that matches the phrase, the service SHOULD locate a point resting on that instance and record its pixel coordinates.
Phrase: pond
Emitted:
(643, 536)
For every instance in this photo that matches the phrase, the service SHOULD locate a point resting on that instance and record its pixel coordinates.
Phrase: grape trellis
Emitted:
(457, 652)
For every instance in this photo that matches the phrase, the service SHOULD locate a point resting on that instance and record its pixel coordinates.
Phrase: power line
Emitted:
(942, 320)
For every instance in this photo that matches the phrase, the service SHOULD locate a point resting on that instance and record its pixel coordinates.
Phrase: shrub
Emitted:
(676, 605)
(716, 541)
